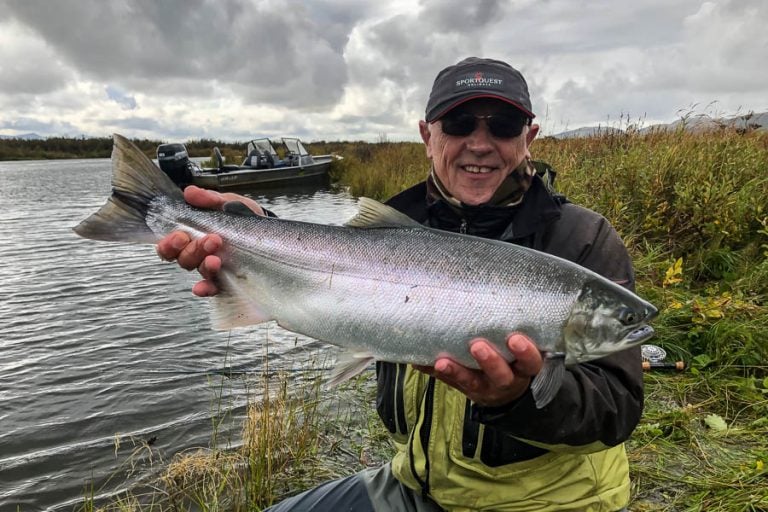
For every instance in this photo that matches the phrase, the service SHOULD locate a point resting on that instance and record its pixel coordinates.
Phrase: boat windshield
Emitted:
(295, 146)
(262, 146)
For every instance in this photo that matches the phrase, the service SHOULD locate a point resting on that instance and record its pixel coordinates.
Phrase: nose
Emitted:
(480, 140)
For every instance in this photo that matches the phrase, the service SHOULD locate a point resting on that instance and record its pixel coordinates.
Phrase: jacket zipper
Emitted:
(463, 226)
(424, 434)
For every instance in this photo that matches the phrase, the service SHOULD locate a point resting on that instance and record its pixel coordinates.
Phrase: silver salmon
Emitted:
(383, 287)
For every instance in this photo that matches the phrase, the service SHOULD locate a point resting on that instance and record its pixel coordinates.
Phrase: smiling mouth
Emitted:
(478, 169)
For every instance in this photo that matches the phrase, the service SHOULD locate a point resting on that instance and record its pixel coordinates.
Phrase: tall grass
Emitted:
(380, 170)
(697, 194)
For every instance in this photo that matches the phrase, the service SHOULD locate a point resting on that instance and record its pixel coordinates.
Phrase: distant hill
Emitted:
(587, 131)
(23, 136)
(701, 122)
(749, 121)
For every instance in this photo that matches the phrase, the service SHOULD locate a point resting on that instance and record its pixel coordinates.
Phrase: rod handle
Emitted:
(677, 366)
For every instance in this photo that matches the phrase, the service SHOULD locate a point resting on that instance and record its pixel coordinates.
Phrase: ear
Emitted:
(533, 130)
(426, 136)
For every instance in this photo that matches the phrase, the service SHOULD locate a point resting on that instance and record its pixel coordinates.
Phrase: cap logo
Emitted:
(479, 80)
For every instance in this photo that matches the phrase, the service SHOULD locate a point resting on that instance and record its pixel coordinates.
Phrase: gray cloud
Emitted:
(267, 51)
(236, 68)
(559, 27)
(27, 65)
(461, 16)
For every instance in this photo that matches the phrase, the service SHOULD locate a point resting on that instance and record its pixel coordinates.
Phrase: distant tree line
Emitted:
(101, 147)
(97, 147)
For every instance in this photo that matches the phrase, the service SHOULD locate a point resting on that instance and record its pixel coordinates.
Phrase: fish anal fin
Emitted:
(548, 381)
(348, 366)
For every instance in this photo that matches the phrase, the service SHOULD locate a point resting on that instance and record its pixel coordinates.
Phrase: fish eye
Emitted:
(627, 316)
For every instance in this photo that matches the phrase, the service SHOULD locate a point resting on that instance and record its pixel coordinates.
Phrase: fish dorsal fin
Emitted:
(373, 214)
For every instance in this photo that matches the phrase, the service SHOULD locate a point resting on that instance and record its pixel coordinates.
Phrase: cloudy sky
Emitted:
(351, 70)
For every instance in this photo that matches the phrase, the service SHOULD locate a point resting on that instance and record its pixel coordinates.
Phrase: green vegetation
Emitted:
(691, 208)
(701, 445)
(101, 147)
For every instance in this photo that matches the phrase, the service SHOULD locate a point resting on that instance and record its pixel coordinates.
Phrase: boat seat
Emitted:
(253, 159)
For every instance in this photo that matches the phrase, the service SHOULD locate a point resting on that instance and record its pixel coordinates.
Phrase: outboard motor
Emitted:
(174, 161)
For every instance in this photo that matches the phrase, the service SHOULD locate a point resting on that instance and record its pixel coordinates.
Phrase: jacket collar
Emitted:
(531, 214)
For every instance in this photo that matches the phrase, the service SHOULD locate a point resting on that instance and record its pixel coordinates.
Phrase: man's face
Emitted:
(471, 167)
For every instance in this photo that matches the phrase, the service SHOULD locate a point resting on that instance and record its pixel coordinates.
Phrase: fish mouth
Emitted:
(639, 335)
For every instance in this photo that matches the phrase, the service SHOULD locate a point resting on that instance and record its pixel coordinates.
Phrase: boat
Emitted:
(261, 167)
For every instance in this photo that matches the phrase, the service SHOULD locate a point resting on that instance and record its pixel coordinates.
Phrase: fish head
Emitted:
(606, 318)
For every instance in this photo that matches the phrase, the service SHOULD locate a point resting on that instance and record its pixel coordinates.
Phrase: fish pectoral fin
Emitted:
(373, 214)
(349, 365)
(232, 307)
(547, 383)
(230, 311)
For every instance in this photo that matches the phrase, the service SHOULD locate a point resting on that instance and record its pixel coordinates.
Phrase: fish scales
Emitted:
(362, 288)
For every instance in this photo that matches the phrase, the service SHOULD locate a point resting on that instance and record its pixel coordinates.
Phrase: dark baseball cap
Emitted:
(474, 78)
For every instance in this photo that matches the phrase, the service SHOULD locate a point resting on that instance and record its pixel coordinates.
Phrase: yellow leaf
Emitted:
(759, 465)
(713, 313)
(674, 274)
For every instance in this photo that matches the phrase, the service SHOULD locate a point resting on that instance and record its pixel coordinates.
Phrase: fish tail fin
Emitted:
(136, 182)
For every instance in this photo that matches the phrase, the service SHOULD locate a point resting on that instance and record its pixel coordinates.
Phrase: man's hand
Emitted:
(201, 253)
(497, 382)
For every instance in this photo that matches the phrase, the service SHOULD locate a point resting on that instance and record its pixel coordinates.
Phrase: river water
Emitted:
(103, 346)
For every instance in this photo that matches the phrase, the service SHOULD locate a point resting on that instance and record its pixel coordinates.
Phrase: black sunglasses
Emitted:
(501, 126)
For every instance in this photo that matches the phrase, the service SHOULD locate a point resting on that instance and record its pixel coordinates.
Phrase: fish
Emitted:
(382, 286)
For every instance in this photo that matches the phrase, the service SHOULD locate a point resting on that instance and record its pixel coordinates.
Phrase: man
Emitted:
(474, 439)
